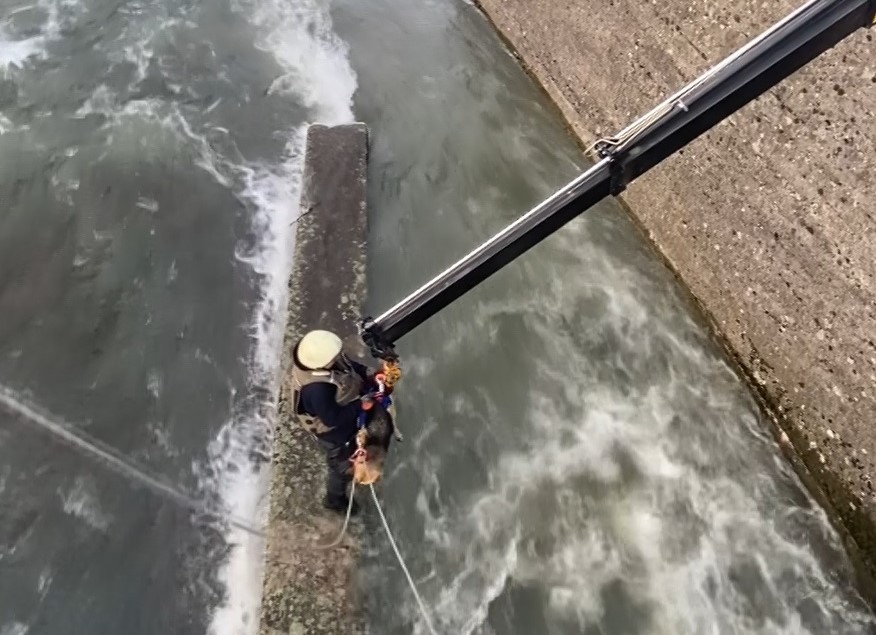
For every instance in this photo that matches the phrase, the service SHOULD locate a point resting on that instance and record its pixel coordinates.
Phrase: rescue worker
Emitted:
(326, 390)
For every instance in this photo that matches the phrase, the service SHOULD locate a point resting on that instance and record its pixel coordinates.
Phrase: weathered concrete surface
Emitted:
(770, 219)
(308, 590)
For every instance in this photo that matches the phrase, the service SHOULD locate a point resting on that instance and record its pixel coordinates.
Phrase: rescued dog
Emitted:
(378, 431)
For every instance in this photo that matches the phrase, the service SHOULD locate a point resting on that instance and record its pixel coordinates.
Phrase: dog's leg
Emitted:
(396, 433)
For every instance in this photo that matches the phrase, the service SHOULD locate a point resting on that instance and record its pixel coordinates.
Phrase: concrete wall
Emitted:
(308, 590)
(770, 219)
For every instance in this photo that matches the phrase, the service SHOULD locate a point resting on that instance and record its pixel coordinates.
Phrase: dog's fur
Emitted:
(380, 428)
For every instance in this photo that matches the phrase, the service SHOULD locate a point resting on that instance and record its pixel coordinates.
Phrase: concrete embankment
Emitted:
(768, 219)
(306, 589)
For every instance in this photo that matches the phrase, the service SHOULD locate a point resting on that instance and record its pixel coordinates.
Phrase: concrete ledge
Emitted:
(308, 590)
(767, 219)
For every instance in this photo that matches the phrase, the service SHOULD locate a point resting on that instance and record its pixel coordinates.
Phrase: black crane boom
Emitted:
(741, 77)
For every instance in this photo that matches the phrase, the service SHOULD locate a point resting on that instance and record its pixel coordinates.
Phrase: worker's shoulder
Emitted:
(318, 390)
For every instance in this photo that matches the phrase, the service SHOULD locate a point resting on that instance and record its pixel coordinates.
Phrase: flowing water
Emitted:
(149, 159)
(579, 459)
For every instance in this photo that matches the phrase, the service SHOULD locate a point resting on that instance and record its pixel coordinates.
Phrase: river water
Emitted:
(579, 459)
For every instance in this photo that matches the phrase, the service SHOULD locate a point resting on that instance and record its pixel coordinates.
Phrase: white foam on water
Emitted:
(273, 195)
(161, 438)
(681, 501)
(299, 35)
(81, 501)
(149, 204)
(154, 384)
(14, 628)
(633, 536)
(101, 101)
(17, 52)
(172, 272)
(241, 488)
(44, 582)
(207, 159)
(130, 123)
(140, 55)
(4, 475)
(317, 73)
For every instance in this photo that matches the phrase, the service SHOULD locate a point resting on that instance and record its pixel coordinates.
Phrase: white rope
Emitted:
(77, 438)
(346, 521)
(401, 562)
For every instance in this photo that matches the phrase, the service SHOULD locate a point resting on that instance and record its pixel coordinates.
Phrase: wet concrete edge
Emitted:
(308, 590)
(822, 465)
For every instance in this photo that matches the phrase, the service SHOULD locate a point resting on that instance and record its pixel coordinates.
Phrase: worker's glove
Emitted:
(377, 383)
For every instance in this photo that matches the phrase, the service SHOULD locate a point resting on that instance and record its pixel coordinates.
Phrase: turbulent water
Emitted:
(149, 159)
(579, 457)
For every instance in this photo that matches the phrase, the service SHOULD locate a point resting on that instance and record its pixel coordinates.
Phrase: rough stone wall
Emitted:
(769, 219)
(308, 590)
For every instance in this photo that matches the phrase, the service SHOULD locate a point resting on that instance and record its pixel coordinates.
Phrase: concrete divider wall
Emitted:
(308, 590)
(769, 220)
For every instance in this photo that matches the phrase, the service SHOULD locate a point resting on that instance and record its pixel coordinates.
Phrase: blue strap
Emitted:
(385, 401)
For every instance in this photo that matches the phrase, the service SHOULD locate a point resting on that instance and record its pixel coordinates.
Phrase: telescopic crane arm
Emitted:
(743, 76)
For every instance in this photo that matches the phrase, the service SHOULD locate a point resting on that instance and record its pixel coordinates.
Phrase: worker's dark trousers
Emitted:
(339, 474)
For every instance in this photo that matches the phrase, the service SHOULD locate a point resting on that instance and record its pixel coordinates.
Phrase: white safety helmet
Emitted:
(319, 349)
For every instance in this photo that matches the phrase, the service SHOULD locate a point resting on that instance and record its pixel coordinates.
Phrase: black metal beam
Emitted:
(742, 77)
(788, 46)
(524, 233)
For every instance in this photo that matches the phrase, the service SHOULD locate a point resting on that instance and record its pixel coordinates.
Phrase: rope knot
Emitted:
(359, 456)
